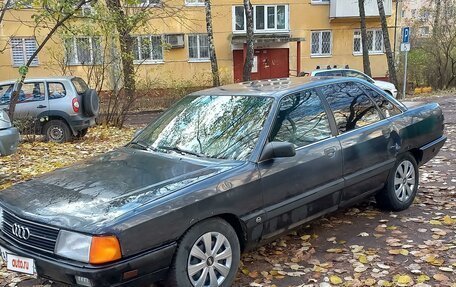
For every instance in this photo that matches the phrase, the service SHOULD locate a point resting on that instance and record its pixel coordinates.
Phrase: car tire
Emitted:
(402, 185)
(91, 103)
(56, 131)
(82, 133)
(191, 252)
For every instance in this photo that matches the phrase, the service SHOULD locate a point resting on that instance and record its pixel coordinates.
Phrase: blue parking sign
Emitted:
(406, 35)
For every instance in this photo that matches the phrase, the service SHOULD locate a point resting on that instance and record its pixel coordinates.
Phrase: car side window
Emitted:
(351, 107)
(5, 94)
(31, 92)
(301, 120)
(387, 107)
(56, 91)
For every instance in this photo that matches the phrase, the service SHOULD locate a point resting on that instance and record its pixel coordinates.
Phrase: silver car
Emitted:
(9, 136)
(60, 108)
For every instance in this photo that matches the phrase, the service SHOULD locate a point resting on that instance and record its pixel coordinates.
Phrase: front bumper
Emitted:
(9, 139)
(149, 267)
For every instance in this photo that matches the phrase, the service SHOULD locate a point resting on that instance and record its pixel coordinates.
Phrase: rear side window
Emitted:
(355, 74)
(80, 85)
(5, 94)
(388, 108)
(301, 120)
(351, 107)
(56, 91)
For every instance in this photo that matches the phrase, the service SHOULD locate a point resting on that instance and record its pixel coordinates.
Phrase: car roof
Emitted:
(48, 79)
(269, 88)
(335, 69)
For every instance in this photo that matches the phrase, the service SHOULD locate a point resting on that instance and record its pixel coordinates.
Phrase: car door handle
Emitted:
(330, 152)
(41, 107)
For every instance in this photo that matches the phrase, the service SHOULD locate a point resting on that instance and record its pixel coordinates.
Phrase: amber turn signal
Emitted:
(104, 249)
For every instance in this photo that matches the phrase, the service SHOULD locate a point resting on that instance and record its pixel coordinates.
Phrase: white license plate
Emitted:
(17, 263)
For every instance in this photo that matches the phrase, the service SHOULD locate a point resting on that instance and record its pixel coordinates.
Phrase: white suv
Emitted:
(386, 86)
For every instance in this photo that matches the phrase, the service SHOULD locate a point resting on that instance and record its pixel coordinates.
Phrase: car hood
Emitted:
(89, 195)
(385, 85)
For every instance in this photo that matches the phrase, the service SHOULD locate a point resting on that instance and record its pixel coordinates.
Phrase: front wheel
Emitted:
(208, 255)
(402, 185)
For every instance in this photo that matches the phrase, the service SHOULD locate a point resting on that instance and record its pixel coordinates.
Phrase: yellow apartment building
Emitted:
(291, 36)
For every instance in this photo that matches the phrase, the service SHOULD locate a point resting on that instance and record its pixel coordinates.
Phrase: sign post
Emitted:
(405, 47)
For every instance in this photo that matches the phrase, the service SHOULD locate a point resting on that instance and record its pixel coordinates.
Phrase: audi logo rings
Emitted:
(21, 231)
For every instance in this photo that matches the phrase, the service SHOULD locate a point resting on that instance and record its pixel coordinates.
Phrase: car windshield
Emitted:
(222, 127)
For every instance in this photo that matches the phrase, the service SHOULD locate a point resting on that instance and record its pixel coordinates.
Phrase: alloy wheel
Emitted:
(404, 180)
(210, 259)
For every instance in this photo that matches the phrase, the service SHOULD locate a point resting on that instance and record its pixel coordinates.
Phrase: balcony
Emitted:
(349, 8)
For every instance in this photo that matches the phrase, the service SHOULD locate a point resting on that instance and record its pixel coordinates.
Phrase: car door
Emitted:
(302, 187)
(32, 101)
(364, 136)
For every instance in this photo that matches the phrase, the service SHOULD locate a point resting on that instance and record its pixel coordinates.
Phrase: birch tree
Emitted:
(366, 60)
(212, 52)
(248, 64)
(387, 43)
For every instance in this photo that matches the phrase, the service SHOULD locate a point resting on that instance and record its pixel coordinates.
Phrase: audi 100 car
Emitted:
(220, 172)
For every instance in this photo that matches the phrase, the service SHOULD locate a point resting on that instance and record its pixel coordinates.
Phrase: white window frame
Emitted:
(35, 62)
(199, 59)
(266, 29)
(150, 3)
(320, 2)
(372, 52)
(76, 61)
(149, 61)
(320, 44)
(194, 3)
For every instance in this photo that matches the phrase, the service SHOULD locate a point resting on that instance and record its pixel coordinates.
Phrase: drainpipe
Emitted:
(298, 60)
(395, 29)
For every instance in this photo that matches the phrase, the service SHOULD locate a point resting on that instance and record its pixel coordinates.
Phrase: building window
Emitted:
(194, 2)
(374, 42)
(423, 31)
(198, 47)
(320, 2)
(84, 50)
(148, 49)
(267, 18)
(20, 4)
(145, 3)
(22, 50)
(321, 43)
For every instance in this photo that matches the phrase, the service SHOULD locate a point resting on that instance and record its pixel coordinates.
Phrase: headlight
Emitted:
(88, 249)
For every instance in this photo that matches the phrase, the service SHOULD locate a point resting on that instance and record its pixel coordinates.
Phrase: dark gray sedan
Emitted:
(222, 171)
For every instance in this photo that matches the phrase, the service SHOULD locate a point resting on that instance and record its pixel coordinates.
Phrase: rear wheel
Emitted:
(56, 131)
(208, 255)
(402, 185)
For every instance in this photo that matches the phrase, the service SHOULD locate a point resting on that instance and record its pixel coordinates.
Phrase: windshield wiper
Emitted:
(141, 144)
(181, 151)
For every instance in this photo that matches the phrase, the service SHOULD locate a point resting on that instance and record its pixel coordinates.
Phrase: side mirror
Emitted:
(278, 149)
(137, 133)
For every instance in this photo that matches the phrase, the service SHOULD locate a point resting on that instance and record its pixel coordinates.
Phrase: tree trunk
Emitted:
(24, 69)
(366, 60)
(387, 43)
(3, 11)
(436, 28)
(248, 64)
(126, 54)
(212, 53)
